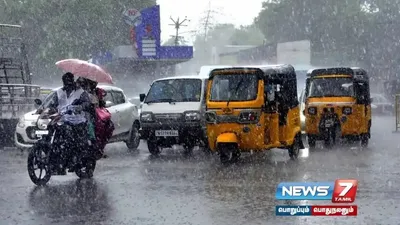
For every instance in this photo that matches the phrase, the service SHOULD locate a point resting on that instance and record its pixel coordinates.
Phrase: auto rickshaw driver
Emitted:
(258, 112)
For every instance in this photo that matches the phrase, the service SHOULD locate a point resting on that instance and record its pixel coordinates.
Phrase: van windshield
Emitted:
(175, 90)
(234, 87)
(331, 87)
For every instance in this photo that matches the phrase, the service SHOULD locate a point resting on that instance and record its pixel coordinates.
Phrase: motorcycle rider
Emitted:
(75, 123)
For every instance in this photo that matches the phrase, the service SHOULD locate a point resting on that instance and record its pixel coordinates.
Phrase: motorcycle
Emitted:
(61, 147)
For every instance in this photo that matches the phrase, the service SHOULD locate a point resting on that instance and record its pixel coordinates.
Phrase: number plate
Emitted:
(39, 133)
(167, 133)
(328, 123)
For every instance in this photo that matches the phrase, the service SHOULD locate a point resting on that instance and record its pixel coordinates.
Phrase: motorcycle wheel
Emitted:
(87, 168)
(38, 159)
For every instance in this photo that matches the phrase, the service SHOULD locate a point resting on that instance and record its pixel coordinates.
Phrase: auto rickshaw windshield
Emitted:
(240, 87)
(331, 87)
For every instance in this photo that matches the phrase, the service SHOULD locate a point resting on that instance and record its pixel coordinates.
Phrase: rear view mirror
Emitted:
(271, 93)
(38, 103)
(142, 97)
(108, 104)
(371, 100)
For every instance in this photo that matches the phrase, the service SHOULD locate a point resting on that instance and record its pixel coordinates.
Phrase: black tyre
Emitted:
(134, 138)
(364, 140)
(311, 142)
(86, 169)
(294, 150)
(38, 160)
(154, 149)
(188, 149)
(229, 153)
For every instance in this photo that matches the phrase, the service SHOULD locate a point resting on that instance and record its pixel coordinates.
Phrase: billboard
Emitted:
(147, 31)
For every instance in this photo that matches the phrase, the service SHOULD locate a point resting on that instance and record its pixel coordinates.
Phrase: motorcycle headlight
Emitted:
(21, 122)
(347, 110)
(211, 117)
(312, 110)
(146, 117)
(192, 116)
(43, 123)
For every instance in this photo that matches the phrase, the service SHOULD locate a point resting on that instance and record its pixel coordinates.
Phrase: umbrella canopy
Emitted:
(85, 69)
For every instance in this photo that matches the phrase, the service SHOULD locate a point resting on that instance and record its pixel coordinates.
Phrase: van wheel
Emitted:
(134, 138)
(188, 149)
(154, 149)
(294, 150)
(228, 153)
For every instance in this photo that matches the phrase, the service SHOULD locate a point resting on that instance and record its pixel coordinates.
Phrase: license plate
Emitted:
(328, 123)
(39, 133)
(167, 133)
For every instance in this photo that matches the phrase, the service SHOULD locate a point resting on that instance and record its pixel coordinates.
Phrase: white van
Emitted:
(172, 113)
(173, 110)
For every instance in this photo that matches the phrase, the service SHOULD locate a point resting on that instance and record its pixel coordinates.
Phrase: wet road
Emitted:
(135, 188)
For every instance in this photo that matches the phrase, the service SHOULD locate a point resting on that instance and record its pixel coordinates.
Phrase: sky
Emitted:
(226, 11)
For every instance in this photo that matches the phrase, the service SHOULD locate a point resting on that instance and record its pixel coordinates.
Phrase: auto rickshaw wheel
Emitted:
(228, 153)
(311, 142)
(294, 150)
(364, 140)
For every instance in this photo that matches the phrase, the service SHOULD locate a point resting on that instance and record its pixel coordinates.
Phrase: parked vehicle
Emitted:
(338, 105)
(381, 105)
(253, 108)
(17, 93)
(173, 113)
(124, 115)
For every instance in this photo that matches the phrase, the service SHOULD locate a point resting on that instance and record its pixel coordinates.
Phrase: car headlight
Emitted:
(347, 110)
(192, 116)
(21, 122)
(211, 117)
(146, 117)
(312, 110)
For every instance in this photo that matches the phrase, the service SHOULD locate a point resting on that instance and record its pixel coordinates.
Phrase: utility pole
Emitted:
(177, 24)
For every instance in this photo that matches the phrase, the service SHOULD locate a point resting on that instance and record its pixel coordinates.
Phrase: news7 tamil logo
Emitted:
(340, 191)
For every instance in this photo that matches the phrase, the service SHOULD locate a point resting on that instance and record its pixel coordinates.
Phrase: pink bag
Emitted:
(103, 114)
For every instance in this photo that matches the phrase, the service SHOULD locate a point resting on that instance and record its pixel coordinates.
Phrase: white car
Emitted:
(124, 115)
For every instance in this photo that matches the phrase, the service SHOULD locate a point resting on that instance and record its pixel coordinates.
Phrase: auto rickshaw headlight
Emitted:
(211, 117)
(248, 117)
(192, 116)
(347, 110)
(146, 117)
(312, 110)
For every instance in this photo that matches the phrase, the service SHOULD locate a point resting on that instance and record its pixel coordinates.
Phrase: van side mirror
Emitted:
(38, 102)
(142, 97)
(371, 100)
(108, 104)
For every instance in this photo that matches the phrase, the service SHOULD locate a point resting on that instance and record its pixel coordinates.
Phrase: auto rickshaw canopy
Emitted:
(266, 72)
(355, 72)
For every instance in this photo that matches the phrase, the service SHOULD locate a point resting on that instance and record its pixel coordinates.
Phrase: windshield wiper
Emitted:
(169, 100)
(236, 89)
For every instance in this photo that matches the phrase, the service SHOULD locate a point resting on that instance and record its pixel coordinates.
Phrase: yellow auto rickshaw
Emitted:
(338, 105)
(253, 109)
